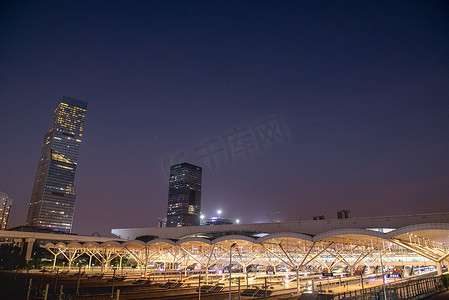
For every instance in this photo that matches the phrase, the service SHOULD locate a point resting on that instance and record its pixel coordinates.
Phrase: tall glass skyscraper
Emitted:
(184, 195)
(53, 198)
(5, 209)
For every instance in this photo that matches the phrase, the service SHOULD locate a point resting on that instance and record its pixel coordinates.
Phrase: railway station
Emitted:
(302, 256)
(344, 244)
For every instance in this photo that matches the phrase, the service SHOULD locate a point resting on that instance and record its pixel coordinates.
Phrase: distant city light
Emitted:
(219, 213)
(201, 217)
(237, 221)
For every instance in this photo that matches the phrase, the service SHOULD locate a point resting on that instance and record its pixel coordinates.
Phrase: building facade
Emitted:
(184, 195)
(52, 202)
(217, 221)
(5, 209)
(344, 214)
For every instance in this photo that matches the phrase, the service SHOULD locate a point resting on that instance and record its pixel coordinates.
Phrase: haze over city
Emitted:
(359, 89)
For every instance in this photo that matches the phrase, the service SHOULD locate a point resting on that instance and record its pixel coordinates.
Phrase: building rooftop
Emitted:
(310, 229)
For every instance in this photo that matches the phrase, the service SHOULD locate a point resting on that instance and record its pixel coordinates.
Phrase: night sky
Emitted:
(360, 89)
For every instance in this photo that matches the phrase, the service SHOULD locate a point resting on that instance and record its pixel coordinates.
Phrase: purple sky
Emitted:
(361, 88)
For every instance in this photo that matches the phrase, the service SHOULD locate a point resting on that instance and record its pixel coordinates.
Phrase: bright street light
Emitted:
(219, 213)
(237, 221)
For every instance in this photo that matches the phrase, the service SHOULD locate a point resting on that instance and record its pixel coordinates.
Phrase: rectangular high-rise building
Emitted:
(53, 198)
(344, 214)
(184, 195)
(5, 209)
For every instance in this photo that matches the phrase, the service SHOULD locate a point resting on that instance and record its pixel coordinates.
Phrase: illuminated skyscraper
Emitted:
(53, 198)
(5, 209)
(184, 195)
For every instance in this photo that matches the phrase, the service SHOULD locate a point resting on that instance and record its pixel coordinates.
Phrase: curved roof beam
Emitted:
(418, 227)
(234, 237)
(164, 241)
(61, 245)
(89, 244)
(134, 242)
(111, 243)
(280, 235)
(348, 231)
(74, 245)
(194, 239)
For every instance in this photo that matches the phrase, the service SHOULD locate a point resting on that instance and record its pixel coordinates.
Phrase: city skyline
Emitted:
(352, 96)
(52, 203)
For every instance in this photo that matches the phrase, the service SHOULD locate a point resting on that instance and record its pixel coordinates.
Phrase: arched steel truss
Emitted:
(349, 248)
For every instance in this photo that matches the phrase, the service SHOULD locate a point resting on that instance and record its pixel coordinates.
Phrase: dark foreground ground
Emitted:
(441, 296)
(14, 286)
